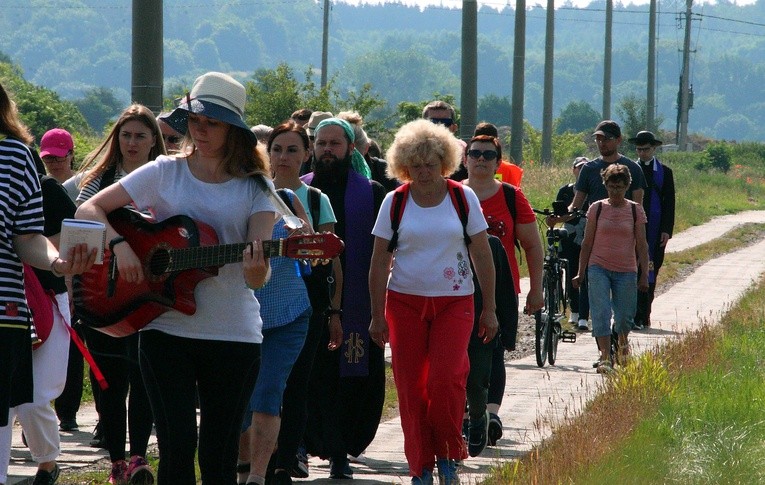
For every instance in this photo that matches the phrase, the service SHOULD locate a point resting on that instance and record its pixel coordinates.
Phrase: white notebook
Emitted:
(76, 231)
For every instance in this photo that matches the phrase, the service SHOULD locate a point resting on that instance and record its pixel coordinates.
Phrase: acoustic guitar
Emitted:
(176, 254)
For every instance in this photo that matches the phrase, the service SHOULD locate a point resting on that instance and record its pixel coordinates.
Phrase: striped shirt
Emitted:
(22, 213)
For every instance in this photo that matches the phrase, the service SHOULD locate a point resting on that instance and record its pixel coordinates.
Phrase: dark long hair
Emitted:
(10, 124)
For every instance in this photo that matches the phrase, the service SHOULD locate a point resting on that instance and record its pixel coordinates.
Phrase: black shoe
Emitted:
(68, 424)
(478, 435)
(495, 429)
(281, 477)
(99, 437)
(340, 469)
(47, 478)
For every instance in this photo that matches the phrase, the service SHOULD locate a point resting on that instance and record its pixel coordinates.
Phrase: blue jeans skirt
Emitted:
(279, 351)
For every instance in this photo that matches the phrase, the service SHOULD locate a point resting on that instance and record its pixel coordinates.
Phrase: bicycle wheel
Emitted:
(554, 303)
(540, 349)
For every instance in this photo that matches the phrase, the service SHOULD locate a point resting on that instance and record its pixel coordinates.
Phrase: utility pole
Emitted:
(650, 95)
(325, 45)
(547, 101)
(684, 97)
(607, 61)
(519, 61)
(147, 64)
(469, 86)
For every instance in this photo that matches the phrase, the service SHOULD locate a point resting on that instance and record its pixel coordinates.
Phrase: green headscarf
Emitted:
(357, 159)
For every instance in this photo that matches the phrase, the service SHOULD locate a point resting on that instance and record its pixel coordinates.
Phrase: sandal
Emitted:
(604, 367)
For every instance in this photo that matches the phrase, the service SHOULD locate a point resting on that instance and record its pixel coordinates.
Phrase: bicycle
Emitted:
(548, 330)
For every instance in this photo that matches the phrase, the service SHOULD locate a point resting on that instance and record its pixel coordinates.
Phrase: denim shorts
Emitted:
(278, 353)
(611, 292)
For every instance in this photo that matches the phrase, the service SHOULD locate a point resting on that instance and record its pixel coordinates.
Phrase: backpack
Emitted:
(600, 208)
(401, 194)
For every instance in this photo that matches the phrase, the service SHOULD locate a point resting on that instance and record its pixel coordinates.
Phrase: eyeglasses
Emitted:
(643, 149)
(615, 186)
(488, 155)
(172, 139)
(52, 159)
(447, 122)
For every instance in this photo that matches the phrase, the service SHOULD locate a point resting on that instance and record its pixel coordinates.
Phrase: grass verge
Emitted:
(690, 412)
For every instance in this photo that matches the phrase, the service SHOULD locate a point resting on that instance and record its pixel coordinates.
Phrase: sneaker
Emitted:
(605, 367)
(47, 478)
(361, 459)
(119, 474)
(495, 430)
(478, 435)
(447, 472)
(69, 424)
(583, 325)
(280, 477)
(139, 471)
(340, 469)
(300, 467)
(425, 479)
(99, 438)
(574, 317)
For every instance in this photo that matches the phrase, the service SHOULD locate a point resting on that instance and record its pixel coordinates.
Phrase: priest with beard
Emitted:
(348, 384)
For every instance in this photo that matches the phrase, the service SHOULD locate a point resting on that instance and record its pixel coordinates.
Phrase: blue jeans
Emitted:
(611, 291)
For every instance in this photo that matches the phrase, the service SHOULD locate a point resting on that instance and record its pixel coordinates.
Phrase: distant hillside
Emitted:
(407, 55)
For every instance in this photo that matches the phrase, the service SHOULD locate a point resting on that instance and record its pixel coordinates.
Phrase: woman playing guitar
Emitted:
(217, 348)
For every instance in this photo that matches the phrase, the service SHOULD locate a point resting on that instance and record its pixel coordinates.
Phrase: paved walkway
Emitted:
(534, 396)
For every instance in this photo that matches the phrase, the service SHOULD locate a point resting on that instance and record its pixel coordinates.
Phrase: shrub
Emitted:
(719, 155)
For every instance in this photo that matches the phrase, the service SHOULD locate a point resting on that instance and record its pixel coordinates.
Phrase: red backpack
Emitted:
(401, 194)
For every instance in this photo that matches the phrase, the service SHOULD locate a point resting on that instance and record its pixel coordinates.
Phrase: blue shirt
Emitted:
(284, 297)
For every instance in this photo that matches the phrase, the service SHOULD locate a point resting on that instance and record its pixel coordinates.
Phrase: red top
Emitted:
(501, 224)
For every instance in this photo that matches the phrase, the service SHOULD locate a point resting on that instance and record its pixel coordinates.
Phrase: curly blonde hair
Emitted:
(423, 141)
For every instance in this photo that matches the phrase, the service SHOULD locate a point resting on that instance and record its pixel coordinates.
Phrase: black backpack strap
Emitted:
(314, 203)
(509, 191)
(107, 178)
(285, 196)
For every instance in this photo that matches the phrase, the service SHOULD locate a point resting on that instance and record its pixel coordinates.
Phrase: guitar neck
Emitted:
(205, 256)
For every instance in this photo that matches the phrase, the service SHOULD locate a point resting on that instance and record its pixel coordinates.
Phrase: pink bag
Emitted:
(40, 304)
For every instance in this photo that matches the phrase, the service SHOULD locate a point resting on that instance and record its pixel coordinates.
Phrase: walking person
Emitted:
(27, 382)
(614, 235)
(215, 350)
(659, 206)
(422, 299)
(133, 140)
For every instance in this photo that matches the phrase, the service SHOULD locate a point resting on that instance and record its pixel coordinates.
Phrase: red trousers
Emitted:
(429, 339)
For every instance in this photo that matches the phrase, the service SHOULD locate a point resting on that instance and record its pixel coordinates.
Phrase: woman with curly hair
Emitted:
(422, 299)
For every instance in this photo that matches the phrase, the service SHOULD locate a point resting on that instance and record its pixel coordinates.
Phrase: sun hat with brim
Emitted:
(214, 95)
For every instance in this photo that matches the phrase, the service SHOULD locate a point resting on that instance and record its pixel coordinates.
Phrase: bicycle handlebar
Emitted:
(549, 212)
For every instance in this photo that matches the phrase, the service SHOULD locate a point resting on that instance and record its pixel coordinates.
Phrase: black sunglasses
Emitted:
(174, 139)
(488, 155)
(447, 122)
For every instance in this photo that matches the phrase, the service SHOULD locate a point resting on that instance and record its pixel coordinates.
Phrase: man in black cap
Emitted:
(589, 185)
(659, 206)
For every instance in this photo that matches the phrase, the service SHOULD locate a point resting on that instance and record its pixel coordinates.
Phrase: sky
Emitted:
(500, 4)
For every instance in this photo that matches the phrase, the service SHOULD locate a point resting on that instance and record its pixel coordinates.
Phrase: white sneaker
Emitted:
(361, 459)
(583, 324)
(574, 317)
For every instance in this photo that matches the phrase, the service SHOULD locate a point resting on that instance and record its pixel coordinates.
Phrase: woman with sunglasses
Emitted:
(484, 154)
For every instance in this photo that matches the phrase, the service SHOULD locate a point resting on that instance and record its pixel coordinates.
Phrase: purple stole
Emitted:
(654, 217)
(357, 311)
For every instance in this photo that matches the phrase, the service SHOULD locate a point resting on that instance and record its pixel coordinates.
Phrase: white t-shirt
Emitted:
(226, 308)
(431, 258)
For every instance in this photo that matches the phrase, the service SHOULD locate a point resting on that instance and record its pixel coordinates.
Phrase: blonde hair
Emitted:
(361, 140)
(423, 141)
(10, 123)
(108, 153)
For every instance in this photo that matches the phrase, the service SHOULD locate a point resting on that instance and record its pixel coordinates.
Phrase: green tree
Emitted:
(39, 108)
(633, 112)
(98, 107)
(577, 117)
(495, 109)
